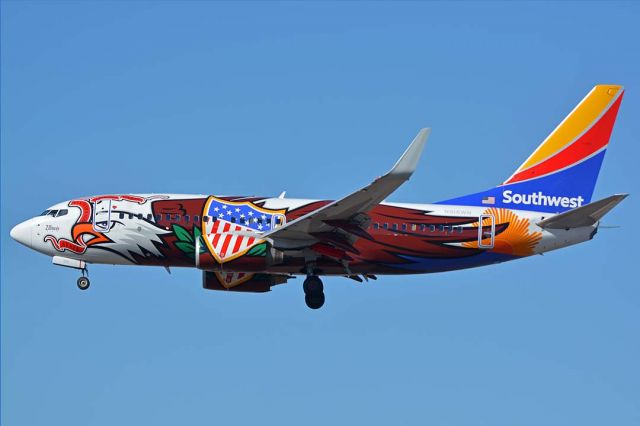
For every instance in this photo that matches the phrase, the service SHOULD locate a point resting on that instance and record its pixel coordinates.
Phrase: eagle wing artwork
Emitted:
(251, 244)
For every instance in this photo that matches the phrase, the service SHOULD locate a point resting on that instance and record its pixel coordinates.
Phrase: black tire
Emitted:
(312, 285)
(314, 301)
(83, 283)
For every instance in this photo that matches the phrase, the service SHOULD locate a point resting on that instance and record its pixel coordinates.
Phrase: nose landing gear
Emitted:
(83, 283)
(313, 292)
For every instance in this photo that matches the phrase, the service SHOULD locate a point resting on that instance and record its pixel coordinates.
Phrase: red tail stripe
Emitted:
(591, 141)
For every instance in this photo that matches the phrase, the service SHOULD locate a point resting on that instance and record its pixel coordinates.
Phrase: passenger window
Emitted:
(186, 218)
(196, 219)
(376, 226)
(205, 219)
(394, 226)
(432, 228)
(233, 219)
(130, 215)
(385, 226)
(414, 227)
(167, 217)
(158, 217)
(121, 215)
(149, 217)
(139, 216)
(423, 227)
(442, 228)
(404, 226)
(62, 212)
(177, 218)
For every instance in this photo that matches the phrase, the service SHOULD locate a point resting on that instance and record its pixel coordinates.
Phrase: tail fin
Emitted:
(562, 172)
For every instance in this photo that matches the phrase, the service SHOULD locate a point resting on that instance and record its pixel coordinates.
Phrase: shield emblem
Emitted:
(234, 227)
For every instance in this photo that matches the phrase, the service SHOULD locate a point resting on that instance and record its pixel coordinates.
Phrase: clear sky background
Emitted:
(315, 99)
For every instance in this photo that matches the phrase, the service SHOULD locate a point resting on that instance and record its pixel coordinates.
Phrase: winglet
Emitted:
(406, 165)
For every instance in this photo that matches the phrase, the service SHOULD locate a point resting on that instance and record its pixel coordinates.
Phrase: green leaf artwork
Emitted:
(182, 234)
(258, 250)
(198, 236)
(185, 247)
(186, 241)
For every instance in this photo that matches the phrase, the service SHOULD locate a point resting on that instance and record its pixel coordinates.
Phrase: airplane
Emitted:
(250, 244)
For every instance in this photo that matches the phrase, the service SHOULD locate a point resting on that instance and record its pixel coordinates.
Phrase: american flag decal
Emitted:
(234, 227)
(488, 200)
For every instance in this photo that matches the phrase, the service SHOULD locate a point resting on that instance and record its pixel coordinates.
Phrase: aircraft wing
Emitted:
(347, 213)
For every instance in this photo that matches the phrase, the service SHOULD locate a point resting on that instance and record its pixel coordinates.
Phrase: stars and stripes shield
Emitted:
(231, 228)
(232, 279)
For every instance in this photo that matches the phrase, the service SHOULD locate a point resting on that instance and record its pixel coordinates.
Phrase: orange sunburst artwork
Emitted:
(516, 239)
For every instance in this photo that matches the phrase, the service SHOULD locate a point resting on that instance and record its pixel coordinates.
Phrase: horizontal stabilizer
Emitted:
(586, 215)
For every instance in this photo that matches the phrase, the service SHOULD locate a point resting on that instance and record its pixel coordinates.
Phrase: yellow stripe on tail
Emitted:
(580, 119)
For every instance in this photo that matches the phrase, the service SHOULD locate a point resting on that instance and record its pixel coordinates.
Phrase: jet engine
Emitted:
(241, 281)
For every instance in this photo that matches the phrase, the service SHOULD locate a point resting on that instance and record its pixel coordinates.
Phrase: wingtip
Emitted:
(407, 164)
(422, 135)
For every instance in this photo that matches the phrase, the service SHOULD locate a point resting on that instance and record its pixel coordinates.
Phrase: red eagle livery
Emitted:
(251, 244)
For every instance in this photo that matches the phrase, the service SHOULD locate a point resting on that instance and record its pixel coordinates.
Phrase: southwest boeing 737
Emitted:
(251, 244)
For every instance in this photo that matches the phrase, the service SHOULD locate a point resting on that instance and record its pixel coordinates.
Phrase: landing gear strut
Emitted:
(313, 292)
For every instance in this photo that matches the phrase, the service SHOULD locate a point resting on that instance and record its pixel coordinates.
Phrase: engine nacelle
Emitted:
(241, 281)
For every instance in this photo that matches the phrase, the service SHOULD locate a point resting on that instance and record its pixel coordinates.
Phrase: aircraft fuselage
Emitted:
(162, 230)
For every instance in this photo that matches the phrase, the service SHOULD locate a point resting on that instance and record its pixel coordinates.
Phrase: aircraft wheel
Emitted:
(83, 283)
(312, 284)
(314, 300)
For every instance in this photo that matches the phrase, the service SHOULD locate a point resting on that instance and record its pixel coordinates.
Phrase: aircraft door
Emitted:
(486, 231)
(102, 216)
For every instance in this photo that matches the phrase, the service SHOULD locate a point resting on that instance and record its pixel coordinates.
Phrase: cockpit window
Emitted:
(44, 213)
(62, 212)
(52, 213)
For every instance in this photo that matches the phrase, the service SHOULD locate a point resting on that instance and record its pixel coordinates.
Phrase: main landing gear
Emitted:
(313, 292)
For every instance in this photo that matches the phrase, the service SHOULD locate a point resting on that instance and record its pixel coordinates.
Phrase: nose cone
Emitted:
(22, 233)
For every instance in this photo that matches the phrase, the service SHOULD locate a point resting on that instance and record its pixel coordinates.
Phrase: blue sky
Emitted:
(316, 99)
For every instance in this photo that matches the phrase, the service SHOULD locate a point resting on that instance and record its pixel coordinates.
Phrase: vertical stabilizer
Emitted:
(562, 172)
